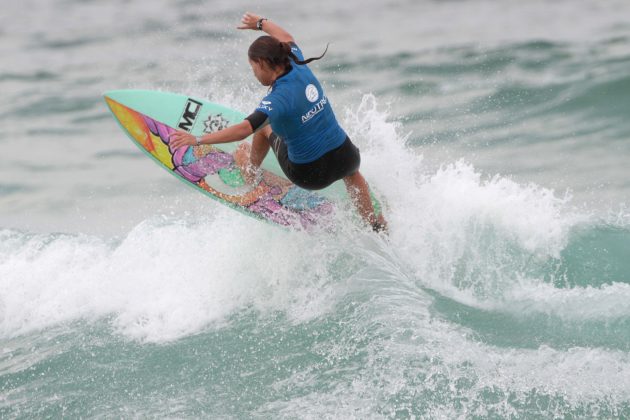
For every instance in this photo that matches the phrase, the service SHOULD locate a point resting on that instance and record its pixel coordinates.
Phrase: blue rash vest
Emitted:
(300, 113)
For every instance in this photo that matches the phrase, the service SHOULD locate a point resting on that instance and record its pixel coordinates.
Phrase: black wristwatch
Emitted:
(259, 23)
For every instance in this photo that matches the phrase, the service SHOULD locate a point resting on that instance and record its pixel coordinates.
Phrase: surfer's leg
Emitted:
(359, 192)
(260, 146)
(241, 158)
(249, 158)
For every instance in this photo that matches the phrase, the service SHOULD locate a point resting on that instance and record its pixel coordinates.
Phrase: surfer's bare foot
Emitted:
(380, 225)
(241, 158)
(359, 192)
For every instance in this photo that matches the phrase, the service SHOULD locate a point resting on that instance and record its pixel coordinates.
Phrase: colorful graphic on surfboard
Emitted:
(149, 117)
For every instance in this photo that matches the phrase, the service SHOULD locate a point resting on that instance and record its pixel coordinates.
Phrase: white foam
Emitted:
(455, 228)
(474, 238)
(606, 303)
(166, 279)
(173, 276)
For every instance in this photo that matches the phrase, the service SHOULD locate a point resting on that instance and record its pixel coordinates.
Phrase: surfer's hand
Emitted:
(249, 21)
(181, 138)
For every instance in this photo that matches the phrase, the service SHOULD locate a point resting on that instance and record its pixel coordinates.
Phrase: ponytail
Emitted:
(276, 53)
(287, 48)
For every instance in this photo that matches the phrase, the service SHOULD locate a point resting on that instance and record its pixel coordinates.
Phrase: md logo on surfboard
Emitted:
(188, 118)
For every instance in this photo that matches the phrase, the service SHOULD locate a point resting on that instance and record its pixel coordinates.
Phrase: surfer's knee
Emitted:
(355, 179)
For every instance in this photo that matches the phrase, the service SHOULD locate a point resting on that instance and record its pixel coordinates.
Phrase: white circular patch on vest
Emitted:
(311, 93)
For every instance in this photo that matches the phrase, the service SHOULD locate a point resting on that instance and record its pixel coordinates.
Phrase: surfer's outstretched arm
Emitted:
(250, 21)
(235, 132)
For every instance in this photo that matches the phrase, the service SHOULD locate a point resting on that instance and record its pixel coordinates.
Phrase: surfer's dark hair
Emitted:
(276, 53)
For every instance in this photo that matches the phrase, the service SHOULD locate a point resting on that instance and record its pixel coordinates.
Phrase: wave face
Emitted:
(494, 134)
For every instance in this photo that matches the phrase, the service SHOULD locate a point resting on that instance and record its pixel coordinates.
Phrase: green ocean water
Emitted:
(495, 132)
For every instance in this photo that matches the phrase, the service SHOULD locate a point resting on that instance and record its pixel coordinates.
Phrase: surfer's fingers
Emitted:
(176, 139)
(181, 138)
(177, 134)
(249, 21)
(177, 144)
(244, 25)
(250, 16)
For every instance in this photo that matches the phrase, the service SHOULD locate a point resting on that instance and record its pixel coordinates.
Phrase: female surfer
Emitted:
(296, 120)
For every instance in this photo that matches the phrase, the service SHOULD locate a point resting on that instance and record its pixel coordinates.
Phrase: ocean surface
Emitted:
(496, 132)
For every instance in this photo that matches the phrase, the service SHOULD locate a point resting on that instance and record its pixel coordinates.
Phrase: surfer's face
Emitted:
(263, 72)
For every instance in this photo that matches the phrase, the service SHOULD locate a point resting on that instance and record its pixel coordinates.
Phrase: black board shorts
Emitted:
(332, 166)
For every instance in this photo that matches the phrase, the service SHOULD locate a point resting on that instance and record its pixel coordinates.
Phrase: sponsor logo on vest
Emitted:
(319, 106)
(187, 120)
(311, 93)
(265, 105)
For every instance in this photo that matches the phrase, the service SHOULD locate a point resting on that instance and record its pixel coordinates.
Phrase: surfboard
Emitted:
(149, 117)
